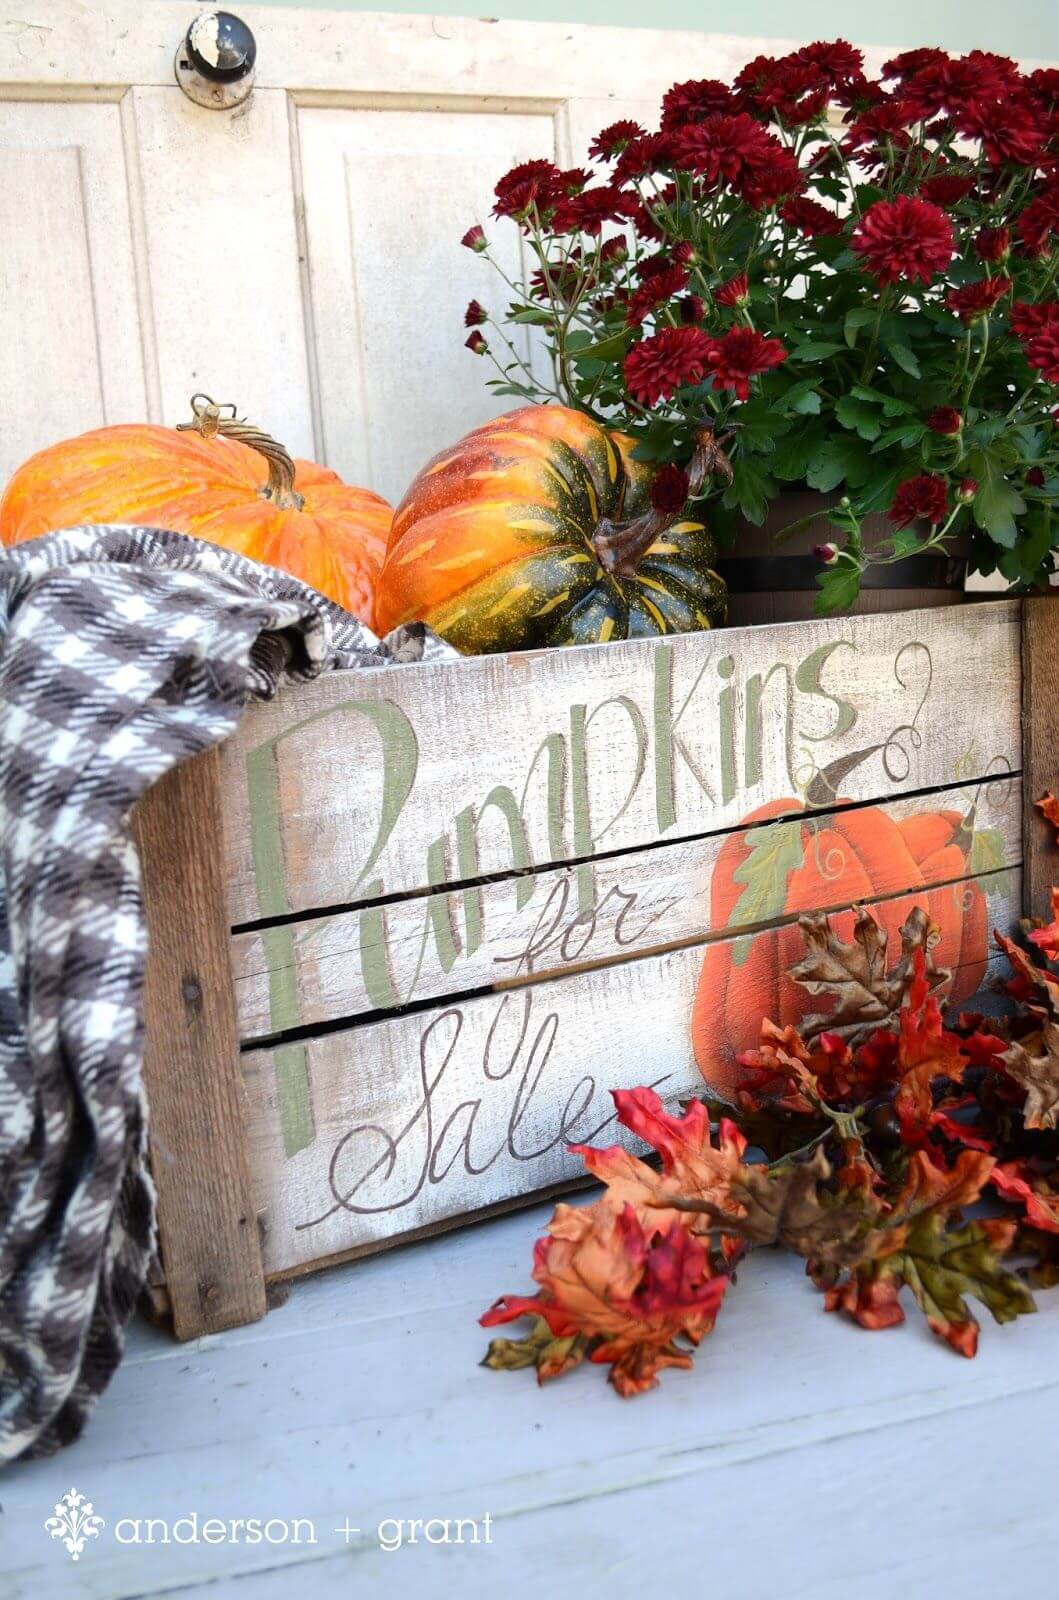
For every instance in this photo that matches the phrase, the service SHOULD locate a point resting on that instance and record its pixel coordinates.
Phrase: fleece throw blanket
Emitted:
(122, 651)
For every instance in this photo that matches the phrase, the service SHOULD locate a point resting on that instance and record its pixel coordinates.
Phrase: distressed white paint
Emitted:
(422, 1119)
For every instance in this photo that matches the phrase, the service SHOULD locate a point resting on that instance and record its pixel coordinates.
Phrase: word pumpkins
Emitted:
(538, 529)
(808, 864)
(205, 478)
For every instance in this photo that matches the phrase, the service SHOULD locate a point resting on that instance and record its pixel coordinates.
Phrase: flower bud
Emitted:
(477, 344)
(684, 253)
(845, 503)
(945, 420)
(967, 490)
(474, 239)
(827, 553)
(1035, 477)
(475, 314)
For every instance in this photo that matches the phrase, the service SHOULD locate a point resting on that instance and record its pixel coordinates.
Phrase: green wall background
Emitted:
(1024, 28)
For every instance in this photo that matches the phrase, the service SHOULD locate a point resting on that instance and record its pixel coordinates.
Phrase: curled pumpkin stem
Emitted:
(209, 420)
(621, 546)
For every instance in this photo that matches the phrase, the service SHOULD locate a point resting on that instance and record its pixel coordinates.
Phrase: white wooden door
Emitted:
(299, 255)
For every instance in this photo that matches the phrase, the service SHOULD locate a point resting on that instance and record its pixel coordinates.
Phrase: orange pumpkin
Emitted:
(852, 857)
(537, 529)
(207, 478)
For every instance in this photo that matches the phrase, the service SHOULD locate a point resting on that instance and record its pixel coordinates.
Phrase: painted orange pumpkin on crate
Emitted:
(207, 478)
(810, 863)
(537, 529)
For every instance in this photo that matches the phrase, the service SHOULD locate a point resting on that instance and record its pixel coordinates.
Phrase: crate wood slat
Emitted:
(422, 1118)
(506, 931)
(208, 1229)
(361, 786)
(460, 902)
(1040, 709)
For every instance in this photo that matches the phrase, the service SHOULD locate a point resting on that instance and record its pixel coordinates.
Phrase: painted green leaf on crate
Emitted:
(775, 852)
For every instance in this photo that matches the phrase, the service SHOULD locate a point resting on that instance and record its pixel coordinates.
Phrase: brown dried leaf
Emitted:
(867, 996)
(1038, 1075)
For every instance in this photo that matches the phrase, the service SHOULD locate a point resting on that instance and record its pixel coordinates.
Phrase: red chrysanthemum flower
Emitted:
(740, 355)
(1030, 318)
(946, 189)
(909, 62)
(1043, 88)
(1010, 131)
(613, 139)
(734, 292)
(475, 314)
(476, 343)
(474, 239)
(925, 496)
(657, 367)
(684, 252)
(945, 419)
(886, 122)
(967, 490)
(1035, 477)
(615, 252)
(1039, 222)
(651, 152)
(1042, 352)
(904, 238)
(952, 84)
(992, 244)
(773, 183)
(653, 292)
(669, 489)
(839, 61)
(587, 212)
(738, 151)
(810, 217)
(975, 299)
(530, 183)
(690, 102)
(692, 309)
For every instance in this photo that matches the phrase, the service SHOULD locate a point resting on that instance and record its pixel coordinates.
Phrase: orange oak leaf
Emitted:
(866, 994)
(926, 1050)
(1047, 939)
(625, 1290)
(1033, 986)
(1038, 1074)
(1048, 806)
(1014, 1181)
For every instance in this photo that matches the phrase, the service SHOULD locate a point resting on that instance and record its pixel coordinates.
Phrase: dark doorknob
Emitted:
(215, 62)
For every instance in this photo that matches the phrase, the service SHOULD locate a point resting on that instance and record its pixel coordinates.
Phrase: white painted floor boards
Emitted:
(802, 1458)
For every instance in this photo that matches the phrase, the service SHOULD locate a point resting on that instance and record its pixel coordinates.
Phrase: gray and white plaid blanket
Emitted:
(122, 651)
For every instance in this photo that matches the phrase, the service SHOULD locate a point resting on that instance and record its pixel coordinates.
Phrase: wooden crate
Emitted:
(410, 926)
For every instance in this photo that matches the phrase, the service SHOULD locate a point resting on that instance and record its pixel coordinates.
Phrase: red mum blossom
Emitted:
(975, 299)
(669, 489)
(909, 62)
(945, 419)
(613, 139)
(1043, 88)
(992, 244)
(810, 217)
(684, 252)
(839, 61)
(734, 292)
(476, 343)
(654, 291)
(734, 150)
(951, 85)
(925, 496)
(885, 123)
(947, 188)
(690, 102)
(474, 239)
(651, 152)
(740, 355)
(1039, 222)
(1042, 352)
(692, 309)
(657, 367)
(904, 238)
(1010, 131)
(1035, 477)
(586, 213)
(530, 183)
(967, 490)
(614, 252)
(772, 183)
(1028, 319)
(475, 314)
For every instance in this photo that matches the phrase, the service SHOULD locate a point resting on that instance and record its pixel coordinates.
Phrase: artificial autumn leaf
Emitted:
(1032, 986)
(626, 1291)
(867, 996)
(1048, 805)
(1015, 1181)
(1038, 1074)
(1047, 938)
(539, 1349)
(789, 1205)
(925, 1050)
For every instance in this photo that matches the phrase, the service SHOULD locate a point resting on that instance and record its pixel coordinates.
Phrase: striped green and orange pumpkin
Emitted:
(495, 545)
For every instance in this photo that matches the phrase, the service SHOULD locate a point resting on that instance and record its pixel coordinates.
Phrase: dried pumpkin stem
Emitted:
(621, 546)
(210, 419)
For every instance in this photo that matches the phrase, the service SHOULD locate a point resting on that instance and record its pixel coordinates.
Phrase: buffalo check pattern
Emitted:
(123, 650)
